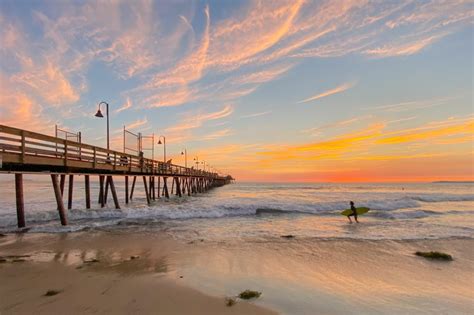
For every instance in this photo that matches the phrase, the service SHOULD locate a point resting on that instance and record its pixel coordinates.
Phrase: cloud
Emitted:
(412, 105)
(193, 120)
(403, 49)
(216, 135)
(125, 106)
(136, 124)
(336, 90)
(256, 114)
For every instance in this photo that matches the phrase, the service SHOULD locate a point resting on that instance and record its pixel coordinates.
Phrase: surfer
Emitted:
(354, 212)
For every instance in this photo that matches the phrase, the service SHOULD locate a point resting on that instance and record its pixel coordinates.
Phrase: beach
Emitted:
(288, 241)
(124, 273)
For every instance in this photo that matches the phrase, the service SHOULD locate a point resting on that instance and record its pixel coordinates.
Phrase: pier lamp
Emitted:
(164, 146)
(185, 153)
(100, 115)
(197, 162)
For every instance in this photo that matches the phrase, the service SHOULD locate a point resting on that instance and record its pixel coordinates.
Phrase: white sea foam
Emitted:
(250, 202)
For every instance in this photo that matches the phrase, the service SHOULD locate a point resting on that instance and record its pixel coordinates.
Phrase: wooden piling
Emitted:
(70, 190)
(114, 192)
(88, 191)
(146, 190)
(62, 183)
(59, 199)
(158, 190)
(101, 191)
(165, 187)
(133, 187)
(106, 191)
(178, 188)
(152, 189)
(172, 186)
(126, 189)
(20, 203)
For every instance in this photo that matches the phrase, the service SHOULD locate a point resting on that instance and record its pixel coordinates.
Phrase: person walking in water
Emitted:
(354, 213)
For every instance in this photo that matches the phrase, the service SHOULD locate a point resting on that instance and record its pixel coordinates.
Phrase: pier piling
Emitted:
(20, 204)
(59, 199)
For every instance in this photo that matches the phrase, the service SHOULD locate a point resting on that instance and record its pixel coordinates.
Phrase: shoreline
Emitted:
(94, 272)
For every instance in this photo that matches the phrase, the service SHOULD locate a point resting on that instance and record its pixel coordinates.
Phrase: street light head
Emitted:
(99, 114)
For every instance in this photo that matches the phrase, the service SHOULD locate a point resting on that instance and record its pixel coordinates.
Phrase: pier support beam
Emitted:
(62, 183)
(158, 188)
(101, 191)
(114, 192)
(106, 191)
(88, 191)
(20, 204)
(133, 187)
(70, 190)
(59, 199)
(146, 190)
(165, 187)
(126, 189)
(178, 187)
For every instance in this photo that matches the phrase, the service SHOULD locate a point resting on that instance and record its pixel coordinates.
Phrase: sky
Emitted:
(277, 91)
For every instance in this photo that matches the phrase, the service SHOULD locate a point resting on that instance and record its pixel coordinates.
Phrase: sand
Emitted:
(150, 273)
(100, 274)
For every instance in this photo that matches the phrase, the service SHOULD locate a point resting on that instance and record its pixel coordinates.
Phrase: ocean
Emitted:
(257, 210)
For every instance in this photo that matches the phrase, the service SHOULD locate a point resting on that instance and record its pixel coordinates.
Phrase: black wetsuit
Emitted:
(354, 212)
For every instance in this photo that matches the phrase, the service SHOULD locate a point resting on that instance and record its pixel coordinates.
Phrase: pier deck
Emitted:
(24, 152)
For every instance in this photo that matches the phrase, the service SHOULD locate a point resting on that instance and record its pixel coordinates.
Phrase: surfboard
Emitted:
(360, 210)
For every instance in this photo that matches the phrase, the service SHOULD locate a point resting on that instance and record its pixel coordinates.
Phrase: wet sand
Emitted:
(100, 273)
(120, 272)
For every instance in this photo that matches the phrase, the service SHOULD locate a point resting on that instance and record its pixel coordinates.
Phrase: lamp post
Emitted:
(197, 162)
(203, 165)
(164, 146)
(185, 153)
(99, 114)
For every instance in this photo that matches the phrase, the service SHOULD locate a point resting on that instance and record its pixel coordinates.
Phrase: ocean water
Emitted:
(257, 211)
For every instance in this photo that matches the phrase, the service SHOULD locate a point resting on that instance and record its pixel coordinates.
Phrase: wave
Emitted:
(396, 207)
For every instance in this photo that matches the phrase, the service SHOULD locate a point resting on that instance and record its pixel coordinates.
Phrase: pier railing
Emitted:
(23, 147)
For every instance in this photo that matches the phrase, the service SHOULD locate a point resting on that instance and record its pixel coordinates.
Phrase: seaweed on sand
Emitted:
(51, 292)
(230, 301)
(249, 294)
(435, 255)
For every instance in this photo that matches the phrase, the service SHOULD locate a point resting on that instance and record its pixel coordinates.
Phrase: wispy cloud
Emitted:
(193, 120)
(412, 105)
(216, 135)
(125, 106)
(256, 114)
(137, 123)
(336, 90)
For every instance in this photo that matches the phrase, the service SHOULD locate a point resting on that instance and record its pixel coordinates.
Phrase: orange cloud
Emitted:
(429, 134)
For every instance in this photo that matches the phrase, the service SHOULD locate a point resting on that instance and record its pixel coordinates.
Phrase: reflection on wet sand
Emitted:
(98, 260)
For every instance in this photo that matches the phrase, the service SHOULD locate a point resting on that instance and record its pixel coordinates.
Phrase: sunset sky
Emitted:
(303, 91)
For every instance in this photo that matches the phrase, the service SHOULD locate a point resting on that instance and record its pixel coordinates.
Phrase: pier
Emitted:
(25, 152)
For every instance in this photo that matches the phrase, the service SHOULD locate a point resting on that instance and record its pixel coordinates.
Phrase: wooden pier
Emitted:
(26, 152)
